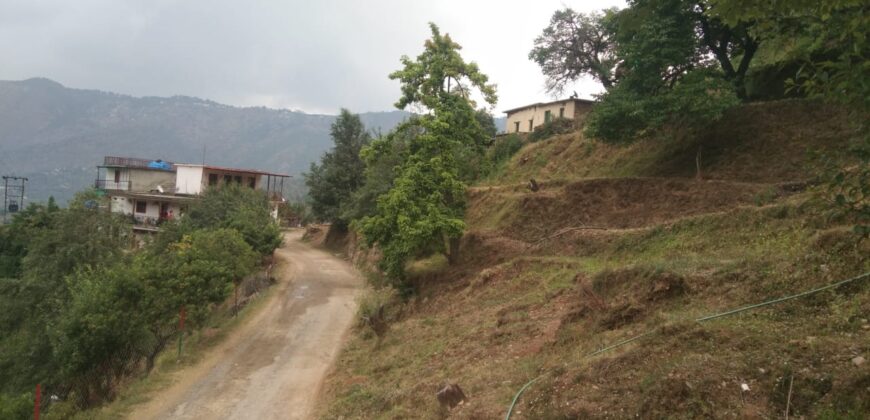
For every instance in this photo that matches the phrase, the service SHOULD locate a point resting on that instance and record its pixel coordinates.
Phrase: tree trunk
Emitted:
(453, 250)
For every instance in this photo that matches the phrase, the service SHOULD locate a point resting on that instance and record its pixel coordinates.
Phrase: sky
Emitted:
(315, 56)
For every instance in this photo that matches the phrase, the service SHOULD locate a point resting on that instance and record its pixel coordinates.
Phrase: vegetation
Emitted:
(332, 184)
(81, 312)
(423, 209)
(552, 128)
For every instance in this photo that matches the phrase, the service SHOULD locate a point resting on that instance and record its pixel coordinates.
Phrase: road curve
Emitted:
(271, 367)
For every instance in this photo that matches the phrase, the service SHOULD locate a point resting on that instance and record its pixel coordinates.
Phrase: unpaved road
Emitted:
(271, 367)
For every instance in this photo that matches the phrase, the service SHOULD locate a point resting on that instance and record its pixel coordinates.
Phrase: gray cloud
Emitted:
(316, 56)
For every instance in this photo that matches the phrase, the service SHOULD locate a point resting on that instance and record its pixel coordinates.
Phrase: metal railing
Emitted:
(129, 162)
(111, 184)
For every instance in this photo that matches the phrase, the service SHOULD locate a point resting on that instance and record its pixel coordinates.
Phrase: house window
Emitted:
(547, 116)
(212, 180)
(141, 206)
(252, 182)
(238, 179)
(516, 126)
(562, 112)
(228, 179)
(531, 124)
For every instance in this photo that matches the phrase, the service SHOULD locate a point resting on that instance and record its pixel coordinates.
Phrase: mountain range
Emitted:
(56, 135)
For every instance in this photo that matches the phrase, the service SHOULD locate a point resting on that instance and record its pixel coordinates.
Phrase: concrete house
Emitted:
(153, 191)
(524, 119)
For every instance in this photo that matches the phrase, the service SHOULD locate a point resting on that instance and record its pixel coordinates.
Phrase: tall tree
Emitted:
(332, 183)
(423, 210)
(575, 44)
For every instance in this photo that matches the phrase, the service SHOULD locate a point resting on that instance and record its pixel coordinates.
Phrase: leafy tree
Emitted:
(383, 158)
(675, 65)
(101, 334)
(340, 172)
(576, 44)
(67, 241)
(230, 206)
(204, 265)
(425, 206)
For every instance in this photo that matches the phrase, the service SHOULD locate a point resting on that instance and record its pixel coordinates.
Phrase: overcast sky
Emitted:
(316, 56)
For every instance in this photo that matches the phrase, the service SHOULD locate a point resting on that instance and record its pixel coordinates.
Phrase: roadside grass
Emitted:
(215, 330)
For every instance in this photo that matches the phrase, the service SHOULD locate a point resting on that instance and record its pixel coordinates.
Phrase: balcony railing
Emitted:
(111, 184)
(129, 162)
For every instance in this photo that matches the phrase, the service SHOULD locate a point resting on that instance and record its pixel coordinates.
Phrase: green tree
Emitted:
(423, 210)
(383, 158)
(340, 173)
(230, 206)
(101, 334)
(58, 246)
(576, 44)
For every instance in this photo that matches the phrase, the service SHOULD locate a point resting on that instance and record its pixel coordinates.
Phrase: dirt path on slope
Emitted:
(272, 366)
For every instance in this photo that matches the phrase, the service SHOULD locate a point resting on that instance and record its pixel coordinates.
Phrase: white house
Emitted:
(153, 191)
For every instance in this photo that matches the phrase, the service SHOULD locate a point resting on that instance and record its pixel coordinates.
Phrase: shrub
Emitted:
(552, 128)
(505, 147)
(374, 309)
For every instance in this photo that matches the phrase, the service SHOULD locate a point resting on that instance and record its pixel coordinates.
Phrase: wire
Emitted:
(701, 319)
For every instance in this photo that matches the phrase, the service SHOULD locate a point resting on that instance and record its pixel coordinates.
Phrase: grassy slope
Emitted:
(531, 297)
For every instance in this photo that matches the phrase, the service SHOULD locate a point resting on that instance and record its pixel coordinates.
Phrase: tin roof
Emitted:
(584, 101)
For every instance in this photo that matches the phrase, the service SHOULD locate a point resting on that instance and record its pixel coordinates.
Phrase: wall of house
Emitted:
(189, 180)
(537, 115)
(122, 205)
(143, 180)
(245, 177)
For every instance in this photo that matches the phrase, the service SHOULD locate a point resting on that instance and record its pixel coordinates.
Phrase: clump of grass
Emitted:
(376, 309)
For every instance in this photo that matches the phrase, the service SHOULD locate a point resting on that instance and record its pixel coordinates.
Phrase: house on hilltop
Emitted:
(526, 118)
(153, 191)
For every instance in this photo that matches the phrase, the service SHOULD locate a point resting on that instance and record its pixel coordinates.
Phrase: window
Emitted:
(238, 179)
(531, 124)
(117, 176)
(141, 206)
(252, 182)
(516, 126)
(228, 179)
(547, 116)
(562, 112)
(212, 180)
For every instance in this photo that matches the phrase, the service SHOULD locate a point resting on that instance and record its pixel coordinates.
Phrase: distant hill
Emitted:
(56, 135)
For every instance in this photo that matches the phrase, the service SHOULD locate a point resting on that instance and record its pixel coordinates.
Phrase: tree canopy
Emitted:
(424, 207)
(340, 173)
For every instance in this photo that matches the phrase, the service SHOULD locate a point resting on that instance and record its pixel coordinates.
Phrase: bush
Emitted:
(552, 128)
(374, 309)
(16, 407)
(505, 147)
(622, 115)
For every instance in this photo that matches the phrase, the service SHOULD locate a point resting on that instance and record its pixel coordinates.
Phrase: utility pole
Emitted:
(13, 195)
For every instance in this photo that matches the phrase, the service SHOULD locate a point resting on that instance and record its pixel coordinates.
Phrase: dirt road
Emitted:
(271, 367)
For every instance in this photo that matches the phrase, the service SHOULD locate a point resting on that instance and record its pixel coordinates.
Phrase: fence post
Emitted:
(37, 401)
(182, 314)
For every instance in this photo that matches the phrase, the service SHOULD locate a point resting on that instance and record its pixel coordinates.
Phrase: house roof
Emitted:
(584, 101)
(167, 197)
(226, 169)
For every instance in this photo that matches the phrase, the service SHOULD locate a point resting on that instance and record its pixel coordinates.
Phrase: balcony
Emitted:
(128, 162)
(111, 184)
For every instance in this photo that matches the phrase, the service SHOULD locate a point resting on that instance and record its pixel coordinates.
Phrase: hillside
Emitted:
(625, 243)
(56, 135)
